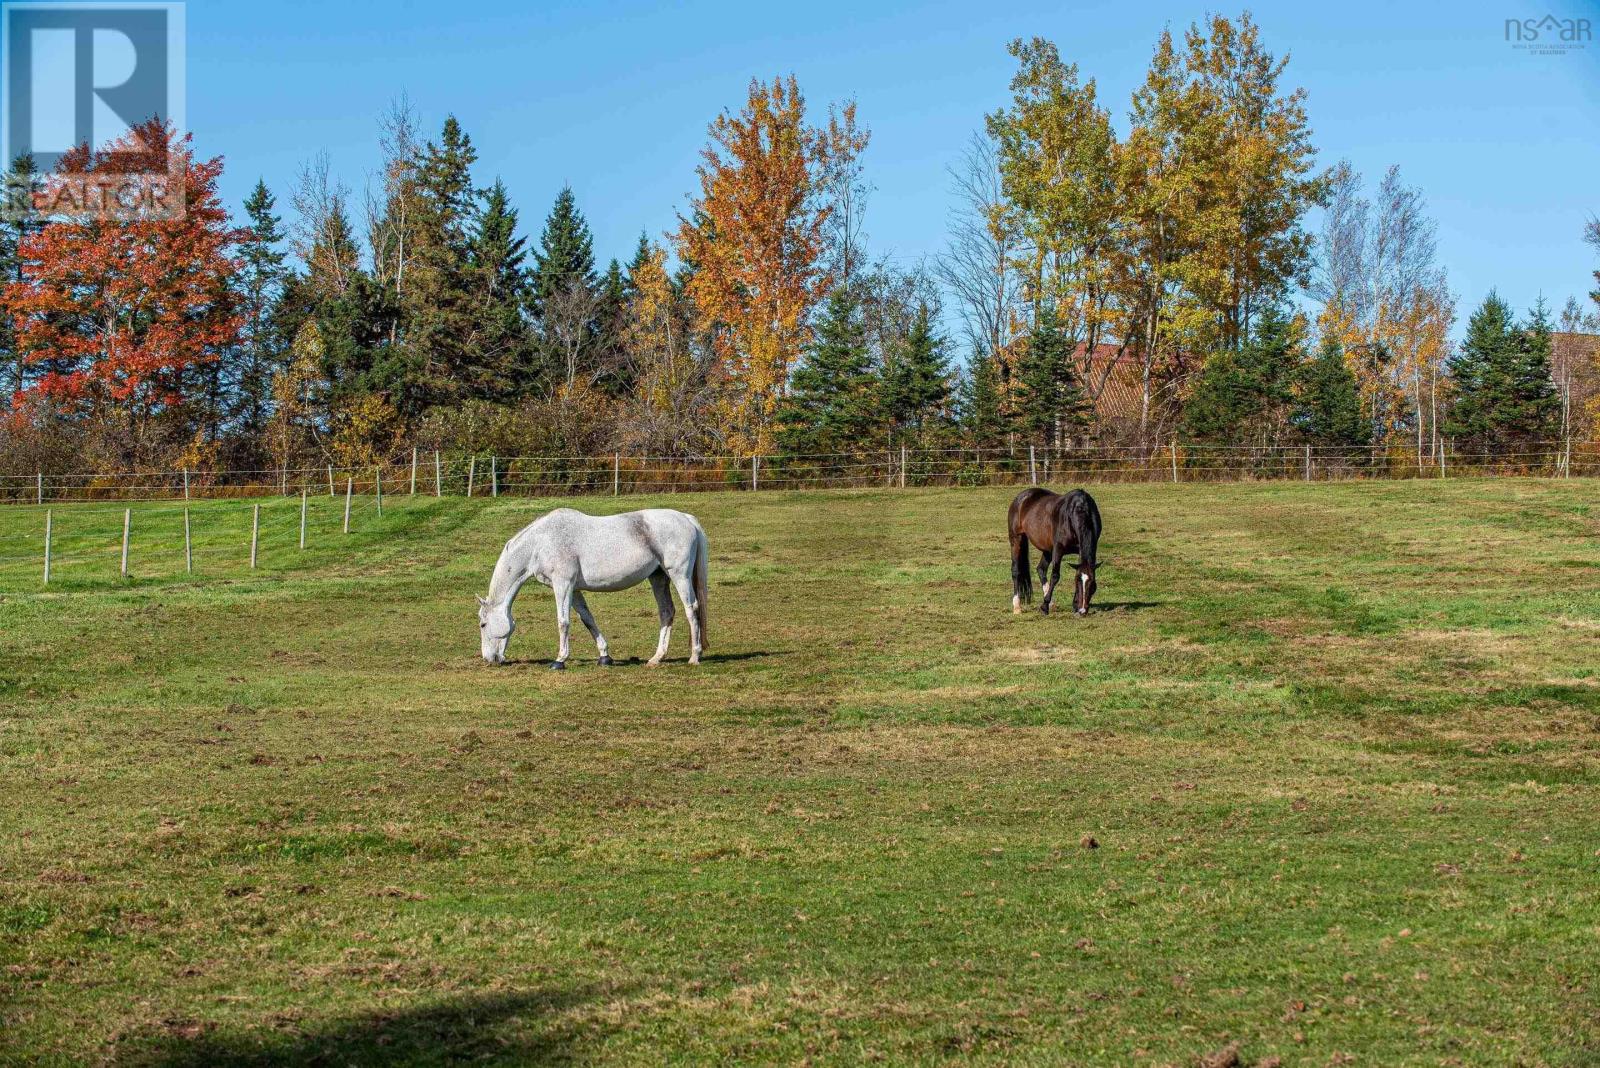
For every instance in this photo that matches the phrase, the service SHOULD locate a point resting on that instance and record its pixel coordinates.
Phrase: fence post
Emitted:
(377, 482)
(472, 470)
(1174, 447)
(902, 467)
(1308, 463)
(1033, 467)
(283, 479)
(349, 486)
(302, 519)
(413, 470)
(755, 473)
(1443, 447)
(185, 483)
(438, 476)
(127, 521)
(188, 546)
(47, 525)
(40, 487)
(330, 480)
(616, 473)
(255, 528)
(494, 476)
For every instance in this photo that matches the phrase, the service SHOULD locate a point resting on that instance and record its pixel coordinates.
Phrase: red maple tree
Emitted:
(123, 309)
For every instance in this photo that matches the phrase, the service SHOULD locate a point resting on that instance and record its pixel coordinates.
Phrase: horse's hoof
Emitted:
(1083, 611)
(605, 661)
(558, 665)
(1044, 609)
(653, 663)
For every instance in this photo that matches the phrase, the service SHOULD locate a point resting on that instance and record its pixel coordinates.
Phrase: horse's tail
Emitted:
(702, 551)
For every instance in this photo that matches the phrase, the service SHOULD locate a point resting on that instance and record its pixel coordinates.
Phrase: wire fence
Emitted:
(433, 474)
(85, 528)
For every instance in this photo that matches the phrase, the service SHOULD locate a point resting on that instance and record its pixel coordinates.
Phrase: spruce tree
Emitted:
(1052, 407)
(1244, 396)
(830, 404)
(1504, 395)
(500, 281)
(1328, 409)
(566, 252)
(260, 286)
(20, 183)
(916, 382)
(981, 404)
(441, 325)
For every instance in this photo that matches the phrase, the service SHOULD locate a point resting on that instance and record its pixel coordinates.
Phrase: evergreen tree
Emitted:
(611, 309)
(260, 286)
(916, 383)
(566, 252)
(1504, 393)
(444, 359)
(497, 257)
(1328, 409)
(981, 405)
(20, 183)
(1244, 396)
(1053, 407)
(831, 405)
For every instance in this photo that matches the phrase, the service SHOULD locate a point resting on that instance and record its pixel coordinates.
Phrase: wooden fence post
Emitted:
(472, 470)
(438, 476)
(1174, 447)
(255, 529)
(349, 487)
(188, 546)
(1033, 467)
(377, 482)
(1308, 463)
(47, 525)
(616, 474)
(127, 521)
(494, 476)
(1443, 447)
(330, 480)
(302, 519)
(413, 470)
(283, 479)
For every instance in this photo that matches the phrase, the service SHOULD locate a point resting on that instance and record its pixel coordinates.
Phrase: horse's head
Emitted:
(494, 629)
(1083, 585)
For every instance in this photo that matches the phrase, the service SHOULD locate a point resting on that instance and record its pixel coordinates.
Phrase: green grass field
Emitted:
(1318, 777)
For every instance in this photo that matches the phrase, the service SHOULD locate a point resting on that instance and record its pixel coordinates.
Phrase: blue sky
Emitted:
(614, 100)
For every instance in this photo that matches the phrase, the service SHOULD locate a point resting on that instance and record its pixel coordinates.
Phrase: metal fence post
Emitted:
(1033, 467)
(494, 476)
(902, 467)
(40, 487)
(349, 487)
(127, 521)
(47, 531)
(255, 530)
(413, 470)
(1308, 463)
(1174, 447)
(330, 480)
(438, 476)
(377, 482)
(755, 473)
(185, 483)
(188, 546)
(472, 470)
(302, 519)
(616, 474)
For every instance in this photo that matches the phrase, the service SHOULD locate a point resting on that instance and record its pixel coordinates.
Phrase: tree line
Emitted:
(1098, 287)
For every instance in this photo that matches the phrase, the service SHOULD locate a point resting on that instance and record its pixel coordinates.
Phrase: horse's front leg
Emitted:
(594, 628)
(564, 591)
(663, 591)
(1044, 570)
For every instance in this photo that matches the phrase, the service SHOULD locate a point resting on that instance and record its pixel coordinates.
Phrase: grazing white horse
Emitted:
(571, 552)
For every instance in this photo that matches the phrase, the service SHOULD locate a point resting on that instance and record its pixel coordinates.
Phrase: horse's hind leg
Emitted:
(594, 628)
(683, 581)
(663, 591)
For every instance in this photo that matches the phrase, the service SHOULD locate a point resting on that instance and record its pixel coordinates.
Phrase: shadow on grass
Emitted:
(639, 661)
(511, 1028)
(1125, 606)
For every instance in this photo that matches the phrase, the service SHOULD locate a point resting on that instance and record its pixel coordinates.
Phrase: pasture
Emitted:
(1317, 776)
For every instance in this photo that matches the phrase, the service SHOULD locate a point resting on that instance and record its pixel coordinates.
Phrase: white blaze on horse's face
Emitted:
(494, 629)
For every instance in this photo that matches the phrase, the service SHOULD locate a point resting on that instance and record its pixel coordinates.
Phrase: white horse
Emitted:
(571, 552)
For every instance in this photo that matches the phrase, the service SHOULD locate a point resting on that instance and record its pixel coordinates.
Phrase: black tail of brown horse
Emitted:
(1021, 573)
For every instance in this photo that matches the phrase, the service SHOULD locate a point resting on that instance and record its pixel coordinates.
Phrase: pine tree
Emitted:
(497, 258)
(566, 252)
(260, 285)
(1328, 410)
(1052, 405)
(444, 358)
(1244, 396)
(1504, 393)
(916, 382)
(831, 405)
(611, 308)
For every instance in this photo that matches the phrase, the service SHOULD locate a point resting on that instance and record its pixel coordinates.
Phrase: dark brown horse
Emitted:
(1056, 525)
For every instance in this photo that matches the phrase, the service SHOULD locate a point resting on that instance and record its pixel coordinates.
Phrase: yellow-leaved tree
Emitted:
(755, 242)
